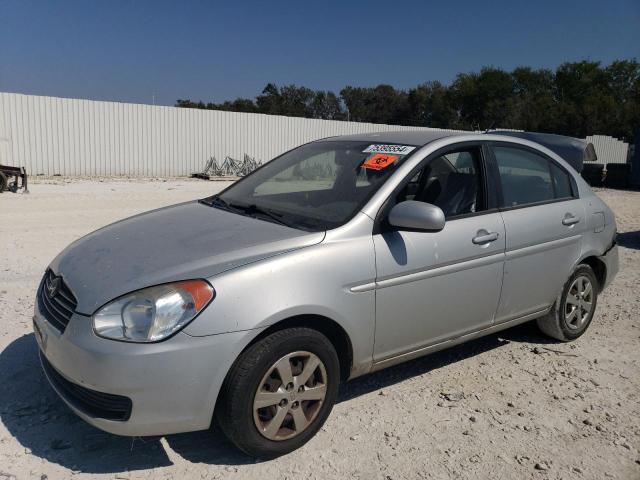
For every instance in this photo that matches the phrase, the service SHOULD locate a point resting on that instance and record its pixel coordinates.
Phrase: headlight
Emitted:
(153, 313)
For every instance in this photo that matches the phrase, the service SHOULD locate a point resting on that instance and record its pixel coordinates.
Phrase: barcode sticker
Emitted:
(394, 149)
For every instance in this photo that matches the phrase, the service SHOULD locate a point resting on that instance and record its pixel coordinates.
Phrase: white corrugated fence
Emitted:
(71, 137)
(60, 136)
(609, 149)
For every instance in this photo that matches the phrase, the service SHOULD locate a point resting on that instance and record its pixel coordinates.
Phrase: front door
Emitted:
(433, 286)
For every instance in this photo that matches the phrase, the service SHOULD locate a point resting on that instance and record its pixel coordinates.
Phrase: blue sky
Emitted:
(131, 50)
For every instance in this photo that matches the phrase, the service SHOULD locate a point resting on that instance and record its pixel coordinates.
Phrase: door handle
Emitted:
(569, 220)
(485, 237)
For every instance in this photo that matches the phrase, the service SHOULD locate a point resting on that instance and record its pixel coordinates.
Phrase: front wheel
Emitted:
(279, 392)
(573, 310)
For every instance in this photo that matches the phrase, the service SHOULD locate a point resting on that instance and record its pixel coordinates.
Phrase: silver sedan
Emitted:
(339, 258)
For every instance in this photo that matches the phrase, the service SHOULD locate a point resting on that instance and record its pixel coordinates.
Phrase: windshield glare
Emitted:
(317, 186)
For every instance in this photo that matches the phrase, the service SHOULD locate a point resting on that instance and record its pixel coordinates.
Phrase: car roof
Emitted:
(407, 137)
(572, 150)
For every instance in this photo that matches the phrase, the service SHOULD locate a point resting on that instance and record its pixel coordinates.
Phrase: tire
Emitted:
(255, 372)
(561, 323)
(3, 182)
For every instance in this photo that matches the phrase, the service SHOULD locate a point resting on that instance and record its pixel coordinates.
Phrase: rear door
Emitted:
(544, 223)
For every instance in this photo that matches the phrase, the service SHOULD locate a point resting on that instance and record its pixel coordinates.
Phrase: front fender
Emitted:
(316, 280)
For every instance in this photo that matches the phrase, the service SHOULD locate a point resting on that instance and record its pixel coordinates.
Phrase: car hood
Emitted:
(185, 241)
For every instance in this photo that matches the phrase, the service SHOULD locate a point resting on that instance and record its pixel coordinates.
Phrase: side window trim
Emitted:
(492, 177)
(491, 206)
(495, 174)
(553, 181)
(535, 204)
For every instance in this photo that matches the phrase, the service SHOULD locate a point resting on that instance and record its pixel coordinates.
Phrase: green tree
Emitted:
(270, 101)
(296, 101)
(381, 104)
(578, 99)
(238, 105)
(430, 106)
(326, 106)
(190, 104)
(584, 99)
(623, 77)
(482, 100)
(532, 105)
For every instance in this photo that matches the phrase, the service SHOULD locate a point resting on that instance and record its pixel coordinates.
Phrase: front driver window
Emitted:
(450, 181)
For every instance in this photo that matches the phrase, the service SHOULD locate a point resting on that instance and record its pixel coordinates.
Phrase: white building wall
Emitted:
(609, 149)
(60, 136)
(72, 137)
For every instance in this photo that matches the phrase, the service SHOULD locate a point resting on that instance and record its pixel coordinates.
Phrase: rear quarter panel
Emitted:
(601, 224)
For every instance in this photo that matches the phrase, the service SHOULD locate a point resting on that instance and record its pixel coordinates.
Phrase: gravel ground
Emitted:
(511, 405)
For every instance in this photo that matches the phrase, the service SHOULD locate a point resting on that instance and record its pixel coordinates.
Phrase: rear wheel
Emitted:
(279, 392)
(574, 308)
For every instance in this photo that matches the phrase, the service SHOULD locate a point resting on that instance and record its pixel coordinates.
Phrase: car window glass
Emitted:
(561, 182)
(317, 172)
(316, 186)
(525, 176)
(451, 182)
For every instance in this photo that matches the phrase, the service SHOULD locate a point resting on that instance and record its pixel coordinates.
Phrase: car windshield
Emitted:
(315, 187)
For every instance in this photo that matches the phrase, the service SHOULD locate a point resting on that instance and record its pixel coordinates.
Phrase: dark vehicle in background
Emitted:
(19, 175)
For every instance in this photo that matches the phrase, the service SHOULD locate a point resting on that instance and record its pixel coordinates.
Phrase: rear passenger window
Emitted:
(561, 182)
(527, 177)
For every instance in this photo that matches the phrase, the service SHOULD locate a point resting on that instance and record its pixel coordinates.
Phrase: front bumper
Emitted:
(610, 259)
(172, 385)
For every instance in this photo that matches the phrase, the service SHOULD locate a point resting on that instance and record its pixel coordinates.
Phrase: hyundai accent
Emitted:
(339, 258)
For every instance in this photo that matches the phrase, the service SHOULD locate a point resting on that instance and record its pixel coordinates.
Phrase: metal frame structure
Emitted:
(230, 167)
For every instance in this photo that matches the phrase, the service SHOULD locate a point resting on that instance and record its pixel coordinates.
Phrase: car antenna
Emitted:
(491, 127)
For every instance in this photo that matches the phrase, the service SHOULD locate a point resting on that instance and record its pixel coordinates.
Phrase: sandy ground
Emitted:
(511, 405)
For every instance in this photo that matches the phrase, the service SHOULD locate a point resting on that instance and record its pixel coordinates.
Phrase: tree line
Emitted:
(577, 99)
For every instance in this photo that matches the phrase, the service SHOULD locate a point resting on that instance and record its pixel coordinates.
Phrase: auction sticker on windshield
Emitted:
(394, 149)
(379, 161)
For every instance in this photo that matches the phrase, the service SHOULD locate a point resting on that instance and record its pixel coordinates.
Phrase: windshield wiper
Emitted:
(254, 209)
(216, 201)
(250, 210)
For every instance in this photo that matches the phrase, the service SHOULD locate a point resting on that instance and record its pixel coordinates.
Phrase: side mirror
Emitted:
(421, 216)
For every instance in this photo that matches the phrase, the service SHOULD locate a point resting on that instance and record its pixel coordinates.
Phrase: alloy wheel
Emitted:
(290, 395)
(578, 303)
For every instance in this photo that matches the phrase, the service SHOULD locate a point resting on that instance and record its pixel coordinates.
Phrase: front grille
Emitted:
(92, 403)
(57, 309)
